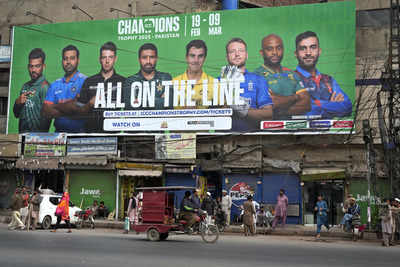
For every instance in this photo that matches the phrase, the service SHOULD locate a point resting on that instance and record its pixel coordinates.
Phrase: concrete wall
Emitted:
(239, 151)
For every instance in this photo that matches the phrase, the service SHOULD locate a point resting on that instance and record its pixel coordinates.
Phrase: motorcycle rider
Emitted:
(188, 211)
(208, 205)
(353, 211)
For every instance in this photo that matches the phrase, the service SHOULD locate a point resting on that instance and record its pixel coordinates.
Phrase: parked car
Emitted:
(48, 208)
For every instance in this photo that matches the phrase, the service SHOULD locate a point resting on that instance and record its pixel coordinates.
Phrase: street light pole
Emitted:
(370, 156)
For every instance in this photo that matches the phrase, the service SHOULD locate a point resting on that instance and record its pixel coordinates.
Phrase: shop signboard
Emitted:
(175, 146)
(45, 144)
(5, 53)
(209, 73)
(92, 146)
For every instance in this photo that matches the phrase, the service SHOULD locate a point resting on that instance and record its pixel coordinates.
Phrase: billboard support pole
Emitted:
(230, 4)
(117, 197)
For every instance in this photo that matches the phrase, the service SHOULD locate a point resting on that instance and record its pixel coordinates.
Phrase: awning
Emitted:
(311, 174)
(87, 161)
(39, 164)
(135, 173)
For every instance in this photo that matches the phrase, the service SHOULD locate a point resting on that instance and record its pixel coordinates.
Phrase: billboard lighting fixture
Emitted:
(122, 11)
(29, 13)
(155, 3)
(75, 6)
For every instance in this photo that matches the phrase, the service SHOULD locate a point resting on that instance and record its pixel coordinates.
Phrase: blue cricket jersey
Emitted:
(321, 87)
(61, 91)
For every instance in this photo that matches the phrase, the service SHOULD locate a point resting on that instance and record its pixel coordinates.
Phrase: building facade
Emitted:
(303, 165)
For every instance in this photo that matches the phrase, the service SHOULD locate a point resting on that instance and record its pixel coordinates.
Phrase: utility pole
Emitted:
(371, 163)
(389, 120)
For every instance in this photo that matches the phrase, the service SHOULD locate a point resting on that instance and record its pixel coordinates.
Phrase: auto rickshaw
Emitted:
(158, 216)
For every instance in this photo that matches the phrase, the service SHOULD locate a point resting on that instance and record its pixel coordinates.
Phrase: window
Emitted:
(3, 105)
(375, 18)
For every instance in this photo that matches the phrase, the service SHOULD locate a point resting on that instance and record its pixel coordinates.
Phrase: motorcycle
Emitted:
(220, 220)
(357, 229)
(209, 232)
(85, 217)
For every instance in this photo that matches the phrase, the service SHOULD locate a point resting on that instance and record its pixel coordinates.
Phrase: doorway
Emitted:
(333, 192)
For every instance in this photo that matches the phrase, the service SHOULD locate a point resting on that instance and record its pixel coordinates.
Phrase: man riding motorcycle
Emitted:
(188, 211)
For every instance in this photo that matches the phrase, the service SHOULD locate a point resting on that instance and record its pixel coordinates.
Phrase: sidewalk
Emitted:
(290, 229)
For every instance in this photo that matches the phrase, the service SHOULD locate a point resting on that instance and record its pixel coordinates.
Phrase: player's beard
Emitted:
(148, 68)
(268, 62)
(34, 75)
(308, 66)
(70, 70)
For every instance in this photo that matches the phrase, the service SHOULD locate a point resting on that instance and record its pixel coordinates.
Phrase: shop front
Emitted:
(8, 183)
(41, 172)
(265, 190)
(331, 183)
(133, 175)
(85, 186)
(358, 187)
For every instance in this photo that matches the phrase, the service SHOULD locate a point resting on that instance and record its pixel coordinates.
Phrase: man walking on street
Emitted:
(16, 205)
(281, 209)
(322, 214)
(226, 204)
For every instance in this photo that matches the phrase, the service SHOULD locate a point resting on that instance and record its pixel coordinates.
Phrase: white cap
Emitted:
(209, 194)
(224, 191)
(397, 199)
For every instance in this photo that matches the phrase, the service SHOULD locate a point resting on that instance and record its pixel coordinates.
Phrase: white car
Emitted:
(48, 208)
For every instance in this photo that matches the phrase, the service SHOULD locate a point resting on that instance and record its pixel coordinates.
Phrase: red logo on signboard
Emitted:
(241, 191)
(342, 124)
(271, 125)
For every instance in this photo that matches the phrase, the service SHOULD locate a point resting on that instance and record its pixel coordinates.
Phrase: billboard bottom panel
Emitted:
(168, 124)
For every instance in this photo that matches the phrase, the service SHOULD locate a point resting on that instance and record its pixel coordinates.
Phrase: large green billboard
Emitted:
(266, 70)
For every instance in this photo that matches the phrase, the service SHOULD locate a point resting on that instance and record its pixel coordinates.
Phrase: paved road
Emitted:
(111, 248)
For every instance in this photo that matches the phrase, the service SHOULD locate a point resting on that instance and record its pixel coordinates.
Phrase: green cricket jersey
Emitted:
(28, 113)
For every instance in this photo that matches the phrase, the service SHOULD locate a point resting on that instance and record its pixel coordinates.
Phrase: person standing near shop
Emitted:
(281, 209)
(226, 204)
(25, 208)
(16, 205)
(133, 208)
(385, 213)
(248, 216)
(322, 214)
(62, 212)
(36, 199)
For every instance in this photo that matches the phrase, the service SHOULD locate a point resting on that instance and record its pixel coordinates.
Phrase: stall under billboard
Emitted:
(266, 70)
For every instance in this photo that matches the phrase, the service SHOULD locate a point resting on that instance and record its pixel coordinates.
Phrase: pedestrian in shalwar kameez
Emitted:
(281, 209)
(248, 216)
(133, 209)
(385, 214)
(322, 214)
(62, 212)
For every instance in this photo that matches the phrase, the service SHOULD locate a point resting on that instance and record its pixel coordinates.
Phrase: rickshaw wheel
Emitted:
(210, 233)
(163, 236)
(153, 234)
